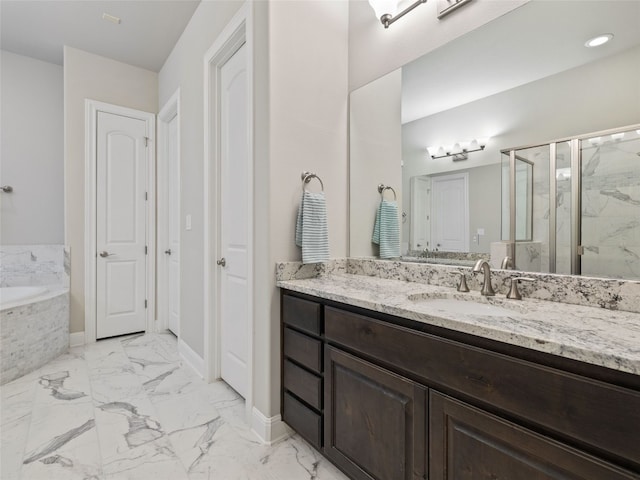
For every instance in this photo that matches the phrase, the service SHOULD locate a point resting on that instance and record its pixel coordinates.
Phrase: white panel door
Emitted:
(420, 212)
(172, 252)
(234, 185)
(120, 225)
(450, 213)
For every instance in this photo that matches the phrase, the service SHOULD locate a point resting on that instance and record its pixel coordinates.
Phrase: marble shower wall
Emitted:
(611, 208)
(34, 265)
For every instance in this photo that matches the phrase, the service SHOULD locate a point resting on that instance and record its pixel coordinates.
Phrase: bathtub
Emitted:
(34, 328)
(15, 296)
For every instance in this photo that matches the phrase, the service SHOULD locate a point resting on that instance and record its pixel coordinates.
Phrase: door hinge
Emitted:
(145, 304)
(146, 141)
(146, 250)
(580, 250)
(146, 195)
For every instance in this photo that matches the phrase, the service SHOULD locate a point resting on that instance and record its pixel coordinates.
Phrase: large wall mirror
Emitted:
(526, 78)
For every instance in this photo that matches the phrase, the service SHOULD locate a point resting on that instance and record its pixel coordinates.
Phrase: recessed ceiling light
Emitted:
(599, 40)
(110, 18)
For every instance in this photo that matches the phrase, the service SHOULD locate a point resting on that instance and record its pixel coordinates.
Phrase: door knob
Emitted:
(168, 252)
(105, 254)
(222, 262)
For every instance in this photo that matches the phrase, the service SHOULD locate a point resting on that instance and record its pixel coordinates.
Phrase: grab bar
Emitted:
(306, 178)
(382, 188)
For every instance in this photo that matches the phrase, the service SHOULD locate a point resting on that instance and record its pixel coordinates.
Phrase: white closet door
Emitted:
(234, 185)
(120, 225)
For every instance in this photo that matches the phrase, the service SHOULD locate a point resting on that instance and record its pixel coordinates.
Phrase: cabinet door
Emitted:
(466, 443)
(375, 420)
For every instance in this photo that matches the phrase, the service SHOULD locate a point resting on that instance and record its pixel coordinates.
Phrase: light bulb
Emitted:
(617, 136)
(599, 40)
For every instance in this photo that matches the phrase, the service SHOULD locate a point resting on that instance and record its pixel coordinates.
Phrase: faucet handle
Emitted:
(462, 284)
(514, 293)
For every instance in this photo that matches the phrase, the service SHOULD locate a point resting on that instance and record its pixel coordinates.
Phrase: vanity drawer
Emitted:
(605, 416)
(302, 314)
(303, 384)
(303, 349)
(303, 420)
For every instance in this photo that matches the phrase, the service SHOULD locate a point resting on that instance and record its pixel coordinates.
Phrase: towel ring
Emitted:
(382, 187)
(306, 178)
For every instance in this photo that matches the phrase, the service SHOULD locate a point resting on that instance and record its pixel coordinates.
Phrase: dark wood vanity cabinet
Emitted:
(302, 367)
(374, 420)
(468, 443)
(386, 398)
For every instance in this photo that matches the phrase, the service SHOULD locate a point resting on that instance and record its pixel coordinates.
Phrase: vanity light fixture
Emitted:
(386, 10)
(599, 40)
(459, 151)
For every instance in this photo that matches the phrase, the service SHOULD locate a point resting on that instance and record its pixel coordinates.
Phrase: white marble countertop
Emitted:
(593, 335)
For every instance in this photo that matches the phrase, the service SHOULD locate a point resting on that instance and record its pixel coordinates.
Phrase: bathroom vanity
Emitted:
(387, 387)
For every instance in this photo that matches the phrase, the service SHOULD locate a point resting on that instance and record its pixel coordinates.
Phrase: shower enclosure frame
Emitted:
(575, 142)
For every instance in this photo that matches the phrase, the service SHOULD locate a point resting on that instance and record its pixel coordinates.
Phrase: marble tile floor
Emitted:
(129, 409)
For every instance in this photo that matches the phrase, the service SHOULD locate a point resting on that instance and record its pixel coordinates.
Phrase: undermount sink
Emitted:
(468, 304)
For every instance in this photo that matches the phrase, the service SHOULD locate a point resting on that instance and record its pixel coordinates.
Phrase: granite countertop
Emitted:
(607, 338)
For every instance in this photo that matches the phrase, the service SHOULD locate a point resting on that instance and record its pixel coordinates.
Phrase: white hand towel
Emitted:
(312, 233)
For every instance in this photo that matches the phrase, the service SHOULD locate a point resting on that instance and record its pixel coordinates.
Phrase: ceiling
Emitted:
(539, 39)
(148, 31)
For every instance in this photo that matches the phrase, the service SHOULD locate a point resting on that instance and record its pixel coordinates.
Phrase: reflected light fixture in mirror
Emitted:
(459, 151)
(386, 10)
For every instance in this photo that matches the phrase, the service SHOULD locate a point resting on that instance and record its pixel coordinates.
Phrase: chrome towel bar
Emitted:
(382, 188)
(306, 178)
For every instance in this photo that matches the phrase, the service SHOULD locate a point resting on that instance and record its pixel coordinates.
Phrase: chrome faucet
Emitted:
(507, 263)
(487, 289)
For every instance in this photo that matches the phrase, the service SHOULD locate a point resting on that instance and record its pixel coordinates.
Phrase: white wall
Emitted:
(308, 79)
(32, 154)
(374, 50)
(300, 102)
(98, 78)
(375, 152)
(184, 68)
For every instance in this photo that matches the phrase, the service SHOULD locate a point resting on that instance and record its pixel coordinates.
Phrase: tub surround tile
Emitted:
(32, 265)
(32, 335)
(594, 335)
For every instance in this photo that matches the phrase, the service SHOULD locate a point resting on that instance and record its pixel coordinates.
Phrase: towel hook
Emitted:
(306, 178)
(382, 187)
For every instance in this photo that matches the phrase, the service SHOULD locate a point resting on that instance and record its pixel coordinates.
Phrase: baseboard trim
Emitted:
(191, 358)
(76, 339)
(269, 429)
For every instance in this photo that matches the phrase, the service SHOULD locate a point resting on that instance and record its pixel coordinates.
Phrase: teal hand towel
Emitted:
(386, 230)
(312, 233)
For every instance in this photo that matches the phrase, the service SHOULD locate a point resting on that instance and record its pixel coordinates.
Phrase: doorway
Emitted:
(119, 220)
(450, 212)
(169, 193)
(228, 212)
